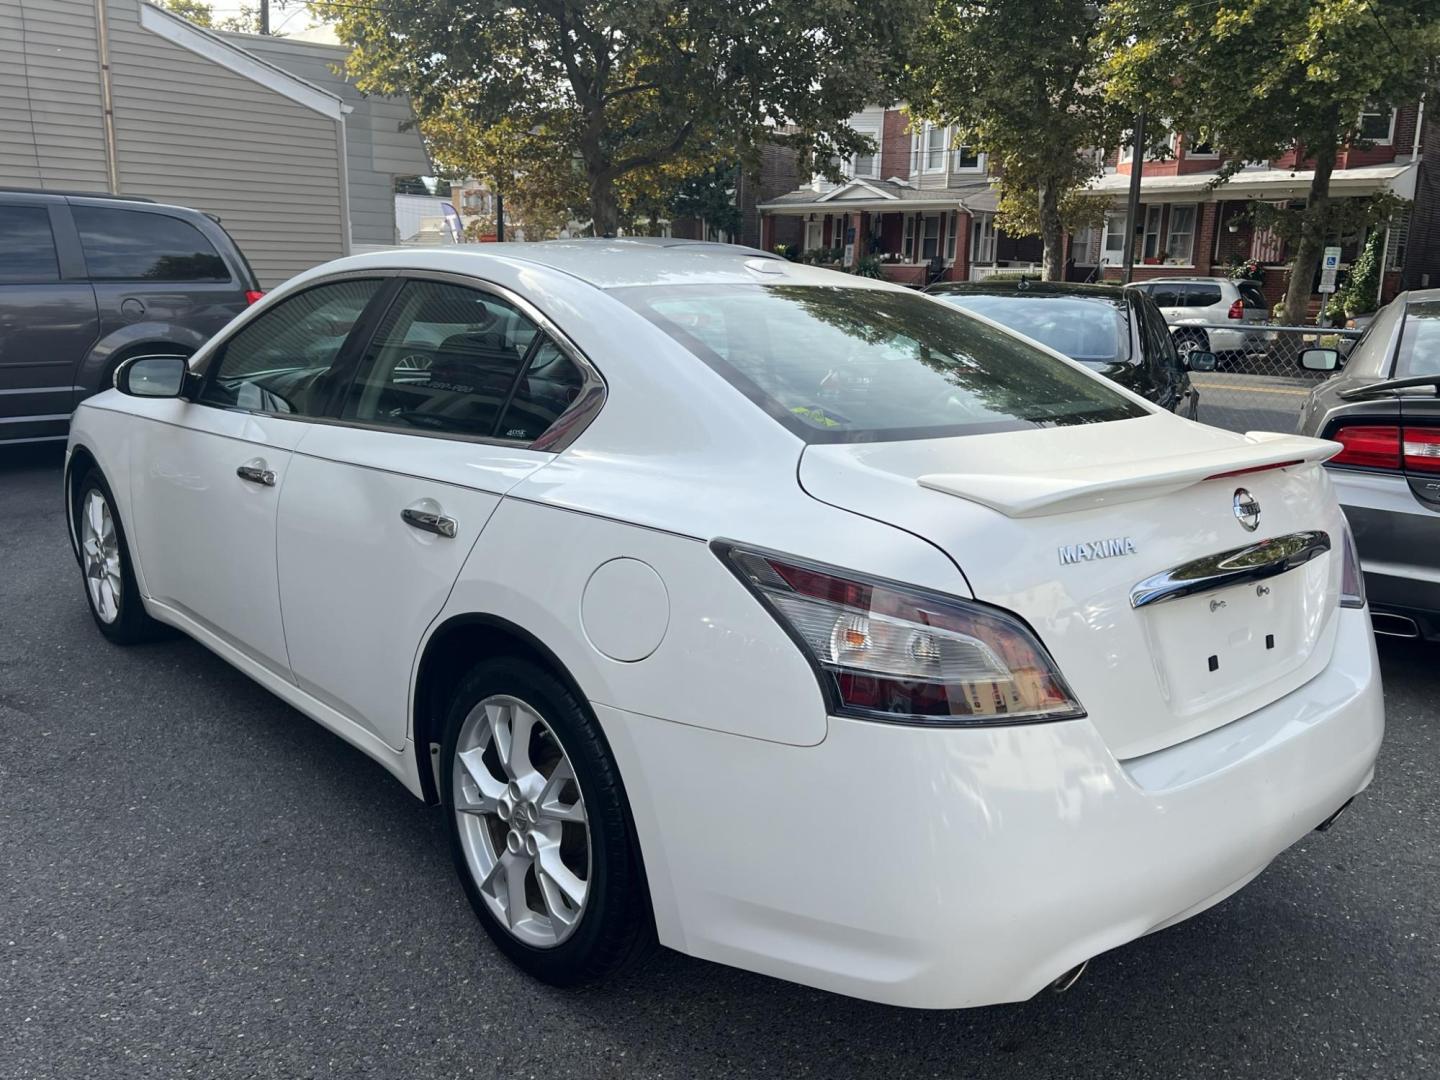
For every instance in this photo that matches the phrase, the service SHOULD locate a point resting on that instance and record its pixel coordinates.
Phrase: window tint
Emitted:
(27, 247)
(1419, 341)
(1159, 344)
(1089, 330)
(280, 362)
(1166, 295)
(550, 385)
(1202, 295)
(445, 360)
(1251, 294)
(836, 364)
(135, 245)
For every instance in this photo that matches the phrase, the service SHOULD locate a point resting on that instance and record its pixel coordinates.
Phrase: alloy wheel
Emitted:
(521, 820)
(101, 550)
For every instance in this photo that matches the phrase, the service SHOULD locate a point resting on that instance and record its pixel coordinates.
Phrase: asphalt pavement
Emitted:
(197, 881)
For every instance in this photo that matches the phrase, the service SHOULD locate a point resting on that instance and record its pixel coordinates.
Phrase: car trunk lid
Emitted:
(1063, 525)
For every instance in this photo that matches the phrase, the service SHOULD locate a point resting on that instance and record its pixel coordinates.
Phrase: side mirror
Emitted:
(152, 376)
(1202, 361)
(1320, 360)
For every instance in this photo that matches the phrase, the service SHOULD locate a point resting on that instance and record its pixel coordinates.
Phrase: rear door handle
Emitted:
(438, 524)
(256, 473)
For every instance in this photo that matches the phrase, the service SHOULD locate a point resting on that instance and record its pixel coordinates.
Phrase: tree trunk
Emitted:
(1312, 238)
(604, 209)
(1052, 233)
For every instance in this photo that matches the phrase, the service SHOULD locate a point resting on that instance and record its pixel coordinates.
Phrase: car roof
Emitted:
(1180, 280)
(617, 263)
(1111, 293)
(79, 195)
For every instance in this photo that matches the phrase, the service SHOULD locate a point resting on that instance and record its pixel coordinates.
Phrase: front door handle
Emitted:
(256, 473)
(424, 520)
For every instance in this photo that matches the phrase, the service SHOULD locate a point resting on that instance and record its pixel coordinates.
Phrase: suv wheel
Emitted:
(539, 825)
(1188, 342)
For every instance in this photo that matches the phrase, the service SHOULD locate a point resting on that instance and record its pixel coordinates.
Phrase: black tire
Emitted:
(131, 623)
(1188, 341)
(615, 928)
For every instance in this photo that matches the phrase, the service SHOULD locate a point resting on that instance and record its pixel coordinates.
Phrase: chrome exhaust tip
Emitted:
(1069, 979)
(1324, 826)
(1401, 626)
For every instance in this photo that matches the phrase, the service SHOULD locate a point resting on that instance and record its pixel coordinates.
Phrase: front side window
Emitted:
(136, 245)
(27, 246)
(282, 361)
(1093, 331)
(445, 359)
(838, 364)
(1180, 241)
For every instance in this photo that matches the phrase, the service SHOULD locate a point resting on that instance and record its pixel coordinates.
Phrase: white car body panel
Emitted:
(920, 866)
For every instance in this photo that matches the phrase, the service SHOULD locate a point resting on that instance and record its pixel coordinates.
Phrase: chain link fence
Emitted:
(1259, 384)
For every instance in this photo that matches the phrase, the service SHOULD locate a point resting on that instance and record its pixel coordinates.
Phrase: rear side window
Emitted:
(1166, 295)
(135, 245)
(838, 364)
(27, 246)
(1419, 341)
(446, 359)
(1202, 295)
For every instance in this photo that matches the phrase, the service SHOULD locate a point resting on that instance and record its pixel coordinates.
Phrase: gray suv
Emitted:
(1382, 407)
(87, 281)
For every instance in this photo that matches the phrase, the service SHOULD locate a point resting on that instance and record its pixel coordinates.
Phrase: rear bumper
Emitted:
(947, 868)
(1398, 539)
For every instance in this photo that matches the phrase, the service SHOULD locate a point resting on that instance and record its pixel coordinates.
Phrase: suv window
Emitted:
(1419, 341)
(1251, 294)
(27, 246)
(280, 362)
(839, 364)
(135, 245)
(447, 359)
(1201, 295)
(1166, 295)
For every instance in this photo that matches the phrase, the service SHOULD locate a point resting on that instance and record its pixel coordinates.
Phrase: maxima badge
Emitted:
(1096, 549)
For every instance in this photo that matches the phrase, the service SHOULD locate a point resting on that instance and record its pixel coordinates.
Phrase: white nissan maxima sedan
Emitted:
(806, 623)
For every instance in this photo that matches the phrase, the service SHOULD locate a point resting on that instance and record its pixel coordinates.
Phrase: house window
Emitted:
(1113, 254)
(952, 224)
(1082, 246)
(814, 236)
(1180, 242)
(1377, 127)
(1399, 235)
(867, 165)
(1150, 247)
(936, 141)
(930, 238)
(965, 159)
(982, 239)
(908, 248)
(1195, 147)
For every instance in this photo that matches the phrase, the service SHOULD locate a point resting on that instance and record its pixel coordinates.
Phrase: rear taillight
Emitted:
(890, 652)
(1370, 446)
(1237, 309)
(1421, 449)
(252, 295)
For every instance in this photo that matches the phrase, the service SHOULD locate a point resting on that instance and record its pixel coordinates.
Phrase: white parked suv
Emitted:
(1203, 303)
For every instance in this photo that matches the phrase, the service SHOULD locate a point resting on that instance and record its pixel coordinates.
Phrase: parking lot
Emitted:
(200, 882)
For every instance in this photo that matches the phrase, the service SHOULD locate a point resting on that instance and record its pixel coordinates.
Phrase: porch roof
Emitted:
(1265, 183)
(884, 196)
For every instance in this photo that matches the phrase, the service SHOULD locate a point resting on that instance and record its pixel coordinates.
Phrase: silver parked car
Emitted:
(1383, 407)
(1203, 303)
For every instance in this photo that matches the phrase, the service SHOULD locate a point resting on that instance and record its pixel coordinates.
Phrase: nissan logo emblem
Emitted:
(1247, 510)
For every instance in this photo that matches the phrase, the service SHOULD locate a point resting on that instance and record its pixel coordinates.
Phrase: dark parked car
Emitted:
(1382, 406)
(1119, 333)
(87, 281)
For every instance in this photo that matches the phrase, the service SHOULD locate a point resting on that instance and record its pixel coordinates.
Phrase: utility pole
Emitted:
(1132, 208)
(264, 16)
(499, 218)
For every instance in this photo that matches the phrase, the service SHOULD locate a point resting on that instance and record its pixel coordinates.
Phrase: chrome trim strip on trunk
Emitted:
(1254, 562)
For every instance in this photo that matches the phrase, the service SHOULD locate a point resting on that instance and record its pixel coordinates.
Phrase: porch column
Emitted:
(857, 223)
(767, 232)
(961, 270)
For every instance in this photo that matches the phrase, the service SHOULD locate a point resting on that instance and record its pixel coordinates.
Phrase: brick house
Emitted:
(923, 206)
(1186, 227)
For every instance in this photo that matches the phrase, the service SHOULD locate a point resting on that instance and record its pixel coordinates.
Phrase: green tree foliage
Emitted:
(1019, 81)
(1256, 77)
(247, 21)
(626, 86)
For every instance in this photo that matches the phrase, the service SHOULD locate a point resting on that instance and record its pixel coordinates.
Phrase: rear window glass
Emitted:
(1093, 331)
(1419, 341)
(135, 245)
(1252, 296)
(845, 364)
(27, 247)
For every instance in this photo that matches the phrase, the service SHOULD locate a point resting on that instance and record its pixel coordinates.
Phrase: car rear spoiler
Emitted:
(1063, 490)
